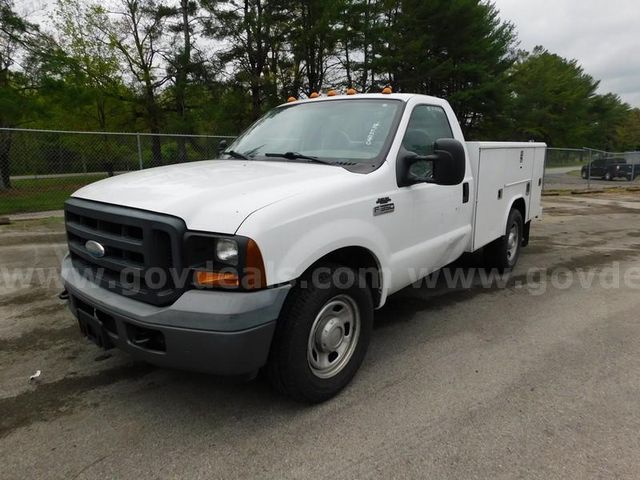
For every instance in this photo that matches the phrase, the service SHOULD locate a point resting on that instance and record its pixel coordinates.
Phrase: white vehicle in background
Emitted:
(276, 255)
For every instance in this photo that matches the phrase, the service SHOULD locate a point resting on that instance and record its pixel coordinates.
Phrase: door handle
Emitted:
(465, 192)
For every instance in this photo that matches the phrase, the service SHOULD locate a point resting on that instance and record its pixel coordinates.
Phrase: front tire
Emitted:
(504, 252)
(608, 177)
(322, 335)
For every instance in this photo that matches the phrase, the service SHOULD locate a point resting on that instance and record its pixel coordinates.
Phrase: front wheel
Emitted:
(504, 252)
(608, 177)
(322, 334)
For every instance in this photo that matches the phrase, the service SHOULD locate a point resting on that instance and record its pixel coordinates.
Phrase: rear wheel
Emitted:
(504, 252)
(322, 334)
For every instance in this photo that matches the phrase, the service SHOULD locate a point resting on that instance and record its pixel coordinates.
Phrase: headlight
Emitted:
(227, 251)
(218, 261)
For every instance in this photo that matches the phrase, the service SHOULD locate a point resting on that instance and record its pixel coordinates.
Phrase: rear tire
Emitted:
(503, 253)
(322, 334)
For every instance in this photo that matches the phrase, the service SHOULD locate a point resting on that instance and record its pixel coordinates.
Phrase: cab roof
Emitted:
(403, 97)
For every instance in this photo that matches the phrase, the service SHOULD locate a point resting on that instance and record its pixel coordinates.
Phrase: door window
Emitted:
(427, 124)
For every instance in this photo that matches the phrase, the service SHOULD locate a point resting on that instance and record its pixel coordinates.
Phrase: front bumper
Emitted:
(223, 333)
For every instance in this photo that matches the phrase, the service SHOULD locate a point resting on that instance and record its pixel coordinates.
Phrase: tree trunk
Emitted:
(154, 128)
(184, 63)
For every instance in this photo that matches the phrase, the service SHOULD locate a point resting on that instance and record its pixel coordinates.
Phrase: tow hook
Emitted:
(64, 295)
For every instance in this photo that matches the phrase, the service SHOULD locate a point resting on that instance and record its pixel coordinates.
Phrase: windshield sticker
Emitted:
(372, 133)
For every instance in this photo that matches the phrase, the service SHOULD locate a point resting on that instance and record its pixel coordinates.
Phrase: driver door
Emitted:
(439, 221)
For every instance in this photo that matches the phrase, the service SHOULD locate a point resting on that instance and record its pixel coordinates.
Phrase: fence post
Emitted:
(139, 151)
(589, 172)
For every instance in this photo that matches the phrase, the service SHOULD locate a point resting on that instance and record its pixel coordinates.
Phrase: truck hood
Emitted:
(214, 196)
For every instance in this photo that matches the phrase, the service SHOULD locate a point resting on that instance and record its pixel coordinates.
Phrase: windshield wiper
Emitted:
(234, 154)
(298, 156)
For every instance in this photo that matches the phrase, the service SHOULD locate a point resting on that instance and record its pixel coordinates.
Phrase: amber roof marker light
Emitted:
(314, 95)
(292, 99)
(387, 90)
(351, 91)
(332, 93)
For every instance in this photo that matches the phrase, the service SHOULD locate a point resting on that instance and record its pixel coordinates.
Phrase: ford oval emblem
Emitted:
(94, 248)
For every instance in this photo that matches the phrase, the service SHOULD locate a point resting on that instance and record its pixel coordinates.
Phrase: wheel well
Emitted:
(363, 261)
(521, 207)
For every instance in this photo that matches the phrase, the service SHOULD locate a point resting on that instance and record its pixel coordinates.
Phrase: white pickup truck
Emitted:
(276, 255)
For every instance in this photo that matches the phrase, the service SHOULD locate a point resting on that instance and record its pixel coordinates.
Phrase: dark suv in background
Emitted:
(610, 168)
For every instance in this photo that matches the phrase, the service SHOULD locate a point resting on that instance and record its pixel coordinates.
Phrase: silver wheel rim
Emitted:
(333, 337)
(512, 242)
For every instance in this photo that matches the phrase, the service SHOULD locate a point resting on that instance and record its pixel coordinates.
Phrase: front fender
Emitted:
(315, 244)
(288, 254)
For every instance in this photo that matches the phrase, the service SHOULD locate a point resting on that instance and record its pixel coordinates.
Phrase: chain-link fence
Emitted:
(39, 169)
(590, 169)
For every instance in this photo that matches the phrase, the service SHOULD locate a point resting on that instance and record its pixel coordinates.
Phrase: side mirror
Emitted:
(222, 146)
(446, 166)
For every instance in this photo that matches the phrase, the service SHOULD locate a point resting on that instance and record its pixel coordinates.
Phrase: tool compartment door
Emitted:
(537, 182)
(504, 174)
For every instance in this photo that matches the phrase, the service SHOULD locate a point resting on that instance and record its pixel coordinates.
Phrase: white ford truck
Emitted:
(276, 255)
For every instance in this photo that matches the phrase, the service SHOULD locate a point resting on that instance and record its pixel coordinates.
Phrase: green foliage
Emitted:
(457, 49)
(555, 101)
(214, 66)
(628, 132)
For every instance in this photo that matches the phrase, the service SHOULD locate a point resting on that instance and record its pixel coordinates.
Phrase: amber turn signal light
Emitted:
(255, 274)
(216, 279)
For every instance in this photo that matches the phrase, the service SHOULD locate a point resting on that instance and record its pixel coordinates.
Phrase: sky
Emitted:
(603, 35)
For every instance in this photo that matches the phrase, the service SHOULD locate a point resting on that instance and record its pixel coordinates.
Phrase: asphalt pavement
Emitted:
(538, 377)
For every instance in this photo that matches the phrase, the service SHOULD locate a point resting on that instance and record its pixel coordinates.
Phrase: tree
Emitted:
(628, 132)
(361, 34)
(248, 26)
(19, 39)
(313, 39)
(456, 49)
(555, 101)
(607, 113)
(182, 66)
(89, 64)
(137, 34)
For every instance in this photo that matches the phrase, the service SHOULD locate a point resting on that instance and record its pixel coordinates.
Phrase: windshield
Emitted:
(340, 130)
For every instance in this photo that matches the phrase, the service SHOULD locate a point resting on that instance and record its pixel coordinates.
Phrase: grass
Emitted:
(561, 164)
(47, 224)
(42, 194)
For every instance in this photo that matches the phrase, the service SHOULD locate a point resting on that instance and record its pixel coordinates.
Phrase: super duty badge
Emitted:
(384, 205)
